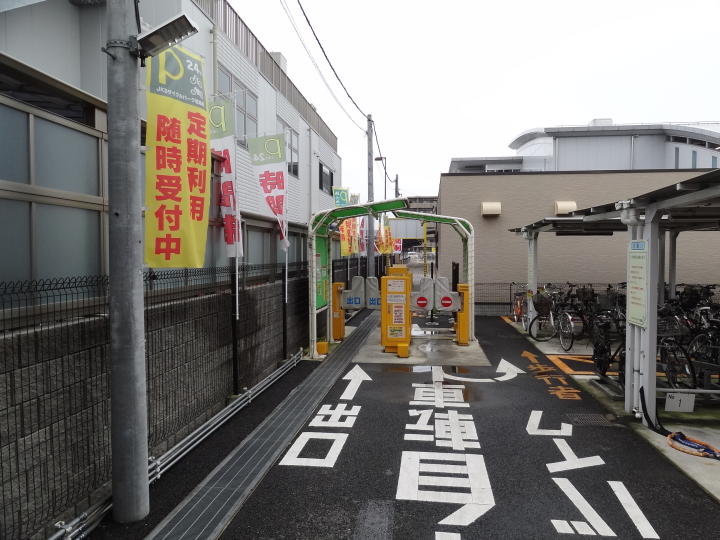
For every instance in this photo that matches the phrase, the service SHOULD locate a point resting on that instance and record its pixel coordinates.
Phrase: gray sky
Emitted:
(462, 78)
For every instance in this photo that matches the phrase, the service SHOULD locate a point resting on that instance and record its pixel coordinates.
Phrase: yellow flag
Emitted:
(177, 162)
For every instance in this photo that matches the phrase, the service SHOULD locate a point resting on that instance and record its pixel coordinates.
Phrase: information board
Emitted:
(637, 283)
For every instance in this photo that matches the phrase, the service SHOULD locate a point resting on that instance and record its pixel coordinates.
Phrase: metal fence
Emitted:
(54, 373)
(343, 270)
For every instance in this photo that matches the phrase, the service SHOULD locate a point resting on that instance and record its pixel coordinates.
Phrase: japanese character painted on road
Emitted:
(329, 417)
(439, 396)
(451, 429)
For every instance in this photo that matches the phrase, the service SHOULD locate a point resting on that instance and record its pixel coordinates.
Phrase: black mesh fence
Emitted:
(54, 373)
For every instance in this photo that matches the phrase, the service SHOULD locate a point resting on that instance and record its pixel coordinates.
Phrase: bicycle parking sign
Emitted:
(637, 283)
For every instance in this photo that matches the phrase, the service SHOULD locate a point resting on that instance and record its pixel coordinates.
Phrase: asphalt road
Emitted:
(605, 479)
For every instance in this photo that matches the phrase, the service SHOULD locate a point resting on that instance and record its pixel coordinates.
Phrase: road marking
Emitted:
(633, 510)
(356, 376)
(583, 528)
(292, 455)
(506, 368)
(562, 526)
(334, 416)
(587, 511)
(571, 460)
(447, 536)
(530, 356)
(475, 502)
(533, 427)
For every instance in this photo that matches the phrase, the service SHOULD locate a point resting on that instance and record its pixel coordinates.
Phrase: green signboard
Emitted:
(322, 272)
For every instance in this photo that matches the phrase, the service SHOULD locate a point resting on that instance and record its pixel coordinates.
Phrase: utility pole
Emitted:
(370, 198)
(128, 403)
(397, 187)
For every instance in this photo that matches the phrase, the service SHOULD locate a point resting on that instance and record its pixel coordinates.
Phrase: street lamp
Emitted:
(384, 160)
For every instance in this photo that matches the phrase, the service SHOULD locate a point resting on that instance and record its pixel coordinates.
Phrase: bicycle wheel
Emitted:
(542, 328)
(678, 367)
(524, 317)
(601, 357)
(566, 331)
(700, 348)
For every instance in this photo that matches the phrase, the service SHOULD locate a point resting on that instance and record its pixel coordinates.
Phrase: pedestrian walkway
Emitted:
(503, 444)
(205, 513)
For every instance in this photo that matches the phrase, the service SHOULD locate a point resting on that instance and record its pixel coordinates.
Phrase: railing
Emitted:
(237, 31)
(55, 371)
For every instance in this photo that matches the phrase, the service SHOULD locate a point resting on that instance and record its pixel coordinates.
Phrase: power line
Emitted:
(328, 60)
(307, 50)
(377, 143)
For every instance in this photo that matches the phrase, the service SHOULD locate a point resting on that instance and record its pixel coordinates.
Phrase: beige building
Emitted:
(522, 198)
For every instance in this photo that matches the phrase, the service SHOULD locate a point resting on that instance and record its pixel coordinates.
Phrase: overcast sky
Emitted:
(460, 78)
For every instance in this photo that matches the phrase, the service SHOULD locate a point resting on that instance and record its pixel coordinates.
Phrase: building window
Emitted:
(694, 159)
(677, 157)
(714, 162)
(246, 105)
(326, 179)
(259, 246)
(292, 155)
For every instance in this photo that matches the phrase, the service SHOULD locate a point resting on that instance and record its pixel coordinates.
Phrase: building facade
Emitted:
(53, 134)
(602, 145)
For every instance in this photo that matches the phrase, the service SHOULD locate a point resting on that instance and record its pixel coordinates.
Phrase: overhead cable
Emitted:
(328, 60)
(307, 50)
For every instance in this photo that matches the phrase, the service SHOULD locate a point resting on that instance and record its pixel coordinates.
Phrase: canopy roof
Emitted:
(691, 205)
(322, 220)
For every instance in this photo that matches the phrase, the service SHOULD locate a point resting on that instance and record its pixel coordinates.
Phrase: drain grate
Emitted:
(591, 419)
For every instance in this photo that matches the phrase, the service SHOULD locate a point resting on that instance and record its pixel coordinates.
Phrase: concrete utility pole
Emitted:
(370, 198)
(128, 404)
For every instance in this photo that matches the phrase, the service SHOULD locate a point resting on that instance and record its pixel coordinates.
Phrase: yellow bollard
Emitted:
(462, 326)
(338, 313)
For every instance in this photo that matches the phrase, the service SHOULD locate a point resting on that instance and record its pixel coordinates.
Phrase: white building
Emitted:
(53, 133)
(604, 146)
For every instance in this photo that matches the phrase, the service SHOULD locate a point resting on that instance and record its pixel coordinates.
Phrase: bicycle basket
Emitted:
(542, 303)
(669, 326)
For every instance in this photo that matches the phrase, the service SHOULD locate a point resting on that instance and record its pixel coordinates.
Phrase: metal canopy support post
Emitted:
(648, 335)
(312, 265)
(532, 279)
(630, 343)
(661, 268)
(672, 261)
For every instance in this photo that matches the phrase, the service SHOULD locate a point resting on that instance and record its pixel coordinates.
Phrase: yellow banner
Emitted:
(345, 238)
(177, 161)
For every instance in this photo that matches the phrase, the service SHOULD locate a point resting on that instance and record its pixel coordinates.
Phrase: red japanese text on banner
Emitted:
(267, 155)
(178, 176)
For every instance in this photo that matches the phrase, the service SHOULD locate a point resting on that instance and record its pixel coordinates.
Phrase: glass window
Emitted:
(14, 149)
(292, 155)
(65, 158)
(694, 159)
(251, 105)
(326, 179)
(15, 240)
(677, 157)
(68, 241)
(250, 127)
(254, 252)
(224, 82)
(714, 162)
(240, 126)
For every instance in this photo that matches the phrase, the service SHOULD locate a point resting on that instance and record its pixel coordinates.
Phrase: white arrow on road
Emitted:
(506, 368)
(356, 376)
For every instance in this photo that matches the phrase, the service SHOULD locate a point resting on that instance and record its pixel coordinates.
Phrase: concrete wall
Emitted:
(501, 256)
(54, 392)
